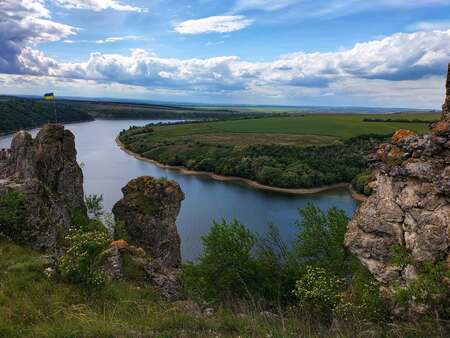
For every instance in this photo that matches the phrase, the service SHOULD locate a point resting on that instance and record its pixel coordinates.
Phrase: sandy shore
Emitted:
(248, 182)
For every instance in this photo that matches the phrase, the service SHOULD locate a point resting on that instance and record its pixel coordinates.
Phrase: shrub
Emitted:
(360, 182)
(319, 291)
(226, 268)
(94, 205)
(11, 213)
(430, 289)
(119, 231)
(82, 261)
(321, 239)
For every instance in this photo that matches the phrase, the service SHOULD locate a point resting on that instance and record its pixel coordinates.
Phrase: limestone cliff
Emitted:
(149, 209)
(45, 172)
(410, 207)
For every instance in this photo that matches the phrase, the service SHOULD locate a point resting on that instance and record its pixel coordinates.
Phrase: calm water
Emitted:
(107, 169)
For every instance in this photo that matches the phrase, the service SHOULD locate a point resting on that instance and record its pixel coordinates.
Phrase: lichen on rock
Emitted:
(148, 210)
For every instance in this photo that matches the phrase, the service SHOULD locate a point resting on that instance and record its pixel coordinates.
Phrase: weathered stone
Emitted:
(148, 210)
(410, 206)
(121, 258)
(446, 106)
(46, 172)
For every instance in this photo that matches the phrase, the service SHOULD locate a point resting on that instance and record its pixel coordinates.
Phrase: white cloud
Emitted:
(371, 69)
(218, 24)
(264, 5)
(113, 39)
(98, 5)
(400, 57)
(24, 23)
(430, 25)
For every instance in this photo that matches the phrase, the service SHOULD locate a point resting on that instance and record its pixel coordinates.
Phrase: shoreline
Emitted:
(253, 184)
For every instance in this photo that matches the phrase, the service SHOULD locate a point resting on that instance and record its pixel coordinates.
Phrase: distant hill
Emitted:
(17, 113)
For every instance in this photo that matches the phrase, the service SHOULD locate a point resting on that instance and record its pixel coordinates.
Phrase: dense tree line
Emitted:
(285, 166)
(16, 113)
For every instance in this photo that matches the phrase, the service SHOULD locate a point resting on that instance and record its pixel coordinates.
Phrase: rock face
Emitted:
(149, 210)
(446, 106)
(411, 204)
(45, 171)
(131, 263)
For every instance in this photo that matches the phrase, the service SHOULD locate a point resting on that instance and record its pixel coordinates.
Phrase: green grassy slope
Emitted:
(339, 125)
(18, 114)
(34, 305)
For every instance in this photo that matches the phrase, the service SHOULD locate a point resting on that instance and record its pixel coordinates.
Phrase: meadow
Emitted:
(294, 151)
(325, 126)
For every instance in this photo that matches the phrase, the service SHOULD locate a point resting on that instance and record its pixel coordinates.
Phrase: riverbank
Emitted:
(253, 184)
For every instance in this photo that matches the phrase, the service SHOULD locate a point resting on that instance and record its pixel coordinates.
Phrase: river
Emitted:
(107, 169)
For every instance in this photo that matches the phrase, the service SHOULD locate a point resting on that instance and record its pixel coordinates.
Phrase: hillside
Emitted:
(304, 151)
(16, 113)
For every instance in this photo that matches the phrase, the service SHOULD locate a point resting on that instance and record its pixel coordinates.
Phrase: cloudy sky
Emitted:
(391, 53)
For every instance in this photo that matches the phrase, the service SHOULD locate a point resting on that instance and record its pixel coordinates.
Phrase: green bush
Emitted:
(12, 217)
(94, 205)
(226, 269)
(82, 261)
(318, 291)
(360, 182)
(320, 239)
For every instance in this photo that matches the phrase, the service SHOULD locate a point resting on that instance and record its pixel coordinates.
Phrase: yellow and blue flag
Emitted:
(49, 96)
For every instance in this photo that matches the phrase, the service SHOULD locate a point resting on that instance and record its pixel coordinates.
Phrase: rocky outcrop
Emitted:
(446, 106)
(128, 262)
(411, 204)
(45, 172)
(149, 209)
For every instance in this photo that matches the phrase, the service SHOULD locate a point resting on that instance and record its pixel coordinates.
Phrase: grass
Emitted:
(33, 305)
(310, 129)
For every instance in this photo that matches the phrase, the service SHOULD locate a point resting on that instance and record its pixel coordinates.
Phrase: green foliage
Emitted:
(82, 261)
(400, 256)
(270, 161)
(226, 268)
(362, 299)
(321, 239)
(360, 182)
(11, 203)
(17, 113)
(119, 231)
(319, 291)
(94, 205)
(430, 288)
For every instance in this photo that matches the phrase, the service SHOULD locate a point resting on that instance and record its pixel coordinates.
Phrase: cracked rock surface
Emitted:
(410, 206)
(45, 171)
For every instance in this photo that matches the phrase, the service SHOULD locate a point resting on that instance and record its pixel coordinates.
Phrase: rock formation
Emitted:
(149, 209)
(446, 106)
(132, 263)
(410, 207)
(45, 172)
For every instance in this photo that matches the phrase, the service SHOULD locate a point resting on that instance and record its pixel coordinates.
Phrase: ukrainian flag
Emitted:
(49, 96)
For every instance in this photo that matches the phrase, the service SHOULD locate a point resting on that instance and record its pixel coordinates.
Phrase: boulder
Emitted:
(45, 172)
(148, 210)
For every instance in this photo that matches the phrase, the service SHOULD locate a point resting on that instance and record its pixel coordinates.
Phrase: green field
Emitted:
(306, 129)
(304, 151)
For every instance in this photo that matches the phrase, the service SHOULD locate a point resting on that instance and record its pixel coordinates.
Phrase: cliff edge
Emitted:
(45, 174)
(410, 208)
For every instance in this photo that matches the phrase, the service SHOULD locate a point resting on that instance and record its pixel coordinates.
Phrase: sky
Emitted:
(384, 53)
